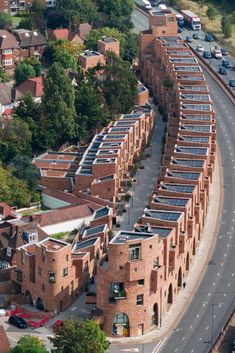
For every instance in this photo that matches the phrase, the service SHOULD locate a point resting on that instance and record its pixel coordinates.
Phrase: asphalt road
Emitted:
(215, 298)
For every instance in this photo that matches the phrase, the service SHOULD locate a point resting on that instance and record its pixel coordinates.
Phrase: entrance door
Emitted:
(140, 329)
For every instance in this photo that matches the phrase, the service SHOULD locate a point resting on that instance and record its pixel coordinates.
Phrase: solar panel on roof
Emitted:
(179, 188)
(184, 175)
(196, 117)
(166, 216)
(196, 139)
(192, 150)
(172, 201)
(198, 128)
(189, 162)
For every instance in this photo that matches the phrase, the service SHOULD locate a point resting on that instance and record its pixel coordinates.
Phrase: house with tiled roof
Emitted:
(34, 85)
(64, 34)
(32, 43)
(9, 49)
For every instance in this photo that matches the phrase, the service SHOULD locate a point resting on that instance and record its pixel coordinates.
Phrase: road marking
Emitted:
(222, 264)
(225, 294)
(213, 284)
(209, 294)
(207, 328)
(218, 274)
(130, 350)
(225, 254)
(183, 338)
(229, 284)
(197, 316)
(158, 346)
(232, 274)
(200, 339)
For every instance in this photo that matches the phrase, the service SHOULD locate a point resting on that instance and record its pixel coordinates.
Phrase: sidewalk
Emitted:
(198, 266)
(146, 178)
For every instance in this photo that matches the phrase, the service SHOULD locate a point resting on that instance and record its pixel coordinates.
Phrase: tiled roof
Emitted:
(7, 40)
(65, 214)
(6, 210)
(29, 38)
(33, 85)
(5, 94)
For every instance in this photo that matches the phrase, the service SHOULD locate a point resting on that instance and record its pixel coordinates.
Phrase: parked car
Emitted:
(3, 312)
(196, 36)
(232, 83)
(226, 63)
(223, 70)
(180, 30)
(207, 55)
(224, 51)
(200, 48)
(189, 39)
(17, 321)
(217, 54)
(209, 38)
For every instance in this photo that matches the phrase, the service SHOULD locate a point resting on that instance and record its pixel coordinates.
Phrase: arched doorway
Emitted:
(121, 327)
(28, 298)
(39, 304)
(155, 315)
(170, 294)
(187, 262)
(194, 246)
(179, 282)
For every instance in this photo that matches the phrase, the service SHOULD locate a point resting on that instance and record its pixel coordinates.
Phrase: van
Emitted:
(146, 5)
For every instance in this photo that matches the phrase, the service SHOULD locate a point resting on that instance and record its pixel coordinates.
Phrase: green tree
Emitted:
(118, 85)
(30, 111)
(79, 337)
(16, 139)
(5, 20)
(23, 71)
(27, 23)
(58, 111)
(23, 169)
(35, 63)
(116, 13)
(78, 11)
(29, 344)
(15, 193)
(92, 113)
(211, 12)
(226, 26)
(4, 76)
(130, 50)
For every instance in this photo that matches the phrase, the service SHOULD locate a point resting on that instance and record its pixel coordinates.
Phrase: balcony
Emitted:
(117, 292)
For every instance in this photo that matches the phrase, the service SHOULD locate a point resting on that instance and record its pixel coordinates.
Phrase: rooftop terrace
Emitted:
(163, 215)
(125, 236)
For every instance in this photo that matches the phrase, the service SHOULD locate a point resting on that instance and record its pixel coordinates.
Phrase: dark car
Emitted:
(196, 36)
(17, 321)
(209, 38)
(189, 39)
(223, 70)
(226, 63)
(224, 51)
(153, 2)
(180, 30)
(232, 83)
(207, 55)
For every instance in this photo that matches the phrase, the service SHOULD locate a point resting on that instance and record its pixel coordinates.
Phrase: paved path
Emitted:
(146, 178)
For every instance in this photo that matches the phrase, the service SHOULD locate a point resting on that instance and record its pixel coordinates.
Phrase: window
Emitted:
(171, 19)
(7, 51)
(117, 290)
(67, 258)
(140, 282)
(140, 299)
(134, 252)
(65, 272)
(43, 254)
(43, 287)
(19, 275)
(51, 277)
(86, 266)
(7, 62)
(22, 258)
(39, 270)
(156, 262)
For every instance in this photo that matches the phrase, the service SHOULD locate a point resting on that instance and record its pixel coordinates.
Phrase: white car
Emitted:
(200, 48)
(217, 54)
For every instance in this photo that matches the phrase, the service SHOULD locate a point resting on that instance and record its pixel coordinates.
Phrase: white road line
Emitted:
(159, 345)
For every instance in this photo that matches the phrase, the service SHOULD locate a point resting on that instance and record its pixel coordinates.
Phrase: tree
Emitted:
(211, 12)
(78, 11)
(130, 50)
(58, 112)
(92, 113)
(29, 344)
(30, 111)
(5, 20)
(4, 76)
(117, 13)
(23, 169)
(27, 23)
(16, 139)
(226, 26)
(118, 85)
(23, 71)
(79, 337)
(15, 193)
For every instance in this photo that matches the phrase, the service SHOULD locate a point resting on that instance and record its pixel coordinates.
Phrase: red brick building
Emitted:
(139, 278)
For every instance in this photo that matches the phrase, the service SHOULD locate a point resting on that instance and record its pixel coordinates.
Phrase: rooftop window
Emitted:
(134, 252)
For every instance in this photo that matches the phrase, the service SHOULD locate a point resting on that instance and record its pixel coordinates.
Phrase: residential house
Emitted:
(6, 98)
(32, 43)
(34, 85)
(9, 49)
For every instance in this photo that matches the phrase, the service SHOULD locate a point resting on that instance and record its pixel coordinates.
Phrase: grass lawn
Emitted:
(212, 26)
(60, 235)
(15, 20)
